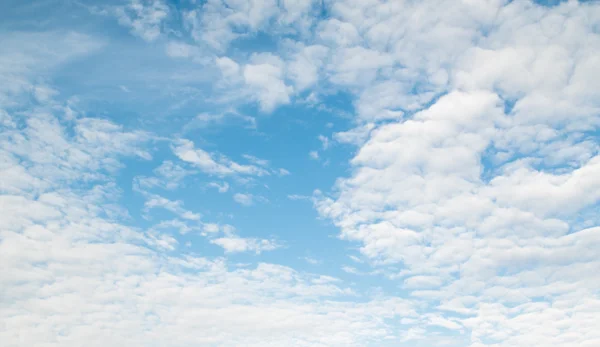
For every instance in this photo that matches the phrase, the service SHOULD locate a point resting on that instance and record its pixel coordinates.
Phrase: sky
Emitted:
(300, 173)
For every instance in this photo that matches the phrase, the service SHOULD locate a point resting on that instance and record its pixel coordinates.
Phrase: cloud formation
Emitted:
(472, 190)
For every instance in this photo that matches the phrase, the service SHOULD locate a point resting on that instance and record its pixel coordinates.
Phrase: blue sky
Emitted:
(299, 173)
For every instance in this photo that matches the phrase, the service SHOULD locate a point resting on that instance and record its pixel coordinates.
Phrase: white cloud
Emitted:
(299, 197)
(213, 164)
(211, 228)
(484, 206)
(172, 173)
(283, 172)
(312, 261)
(313, 155)
(324, 141)
(305, 67)
(356, 136)
(244, 199)
(423, 282)
(156, 201)
(168, 176)
(256, 160)
(222, 188)
(219, 22)
(225, 237)
(26, 57)
(351, 270)
(474, 183)
(175, 224)
(177, 49)
(264, 78)
(229, 68)
(205, 120)
(235, 244)
(144, 18)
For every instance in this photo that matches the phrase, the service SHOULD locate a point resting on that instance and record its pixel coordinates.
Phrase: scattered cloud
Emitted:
(205, 120)
(248, 199)
(215, 164)
(143, 18)
(283, 172)
(222, 188)
(324, 142)
(156, 201)
(234, 244)
(473, 183)
(312, 261)
(299, 197)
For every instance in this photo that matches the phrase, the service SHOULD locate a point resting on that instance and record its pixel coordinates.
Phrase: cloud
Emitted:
(324, 141)
(255, 160)
(213, 164)
(235, 244)
(222, 188)
(247, 199)
(211, 228)
(356, 136)
(264, 77)
(312, 261)
(299, 197)
(218, 22)
(466, 179)
(29, 56)
(143, 18)
(305, 68)
(176, 49)
(205, 120)
(64, 255)
(168, 176)
(229, 68)
(156, 201)
(472, 186)
(313, 155)
(283, 172)
(175, 224)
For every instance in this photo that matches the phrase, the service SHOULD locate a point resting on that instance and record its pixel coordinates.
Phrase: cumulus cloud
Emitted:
(264, 76)
(483, 193)
(473, 185)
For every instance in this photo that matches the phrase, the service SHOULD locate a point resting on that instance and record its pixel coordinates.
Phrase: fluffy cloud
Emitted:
(483, 196)
(264, 75)
(473, 186)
